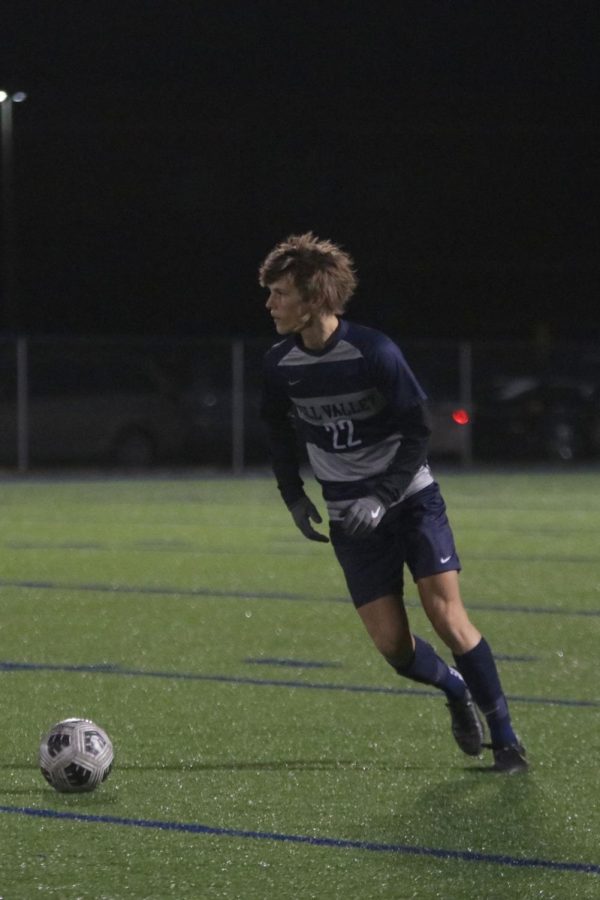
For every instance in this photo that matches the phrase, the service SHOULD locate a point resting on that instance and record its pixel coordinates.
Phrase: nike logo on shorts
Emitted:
(445, 559)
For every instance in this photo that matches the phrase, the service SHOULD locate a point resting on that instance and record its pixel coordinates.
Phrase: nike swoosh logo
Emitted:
(375, 513)
(298, 380)
(444, 559)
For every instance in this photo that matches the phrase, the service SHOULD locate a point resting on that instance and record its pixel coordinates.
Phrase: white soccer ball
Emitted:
(76, 755)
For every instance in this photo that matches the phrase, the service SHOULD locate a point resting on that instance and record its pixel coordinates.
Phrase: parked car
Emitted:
(552, 418)
(85, 407)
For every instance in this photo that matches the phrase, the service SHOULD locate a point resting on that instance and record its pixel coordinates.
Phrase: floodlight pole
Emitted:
(8, 269)
(11, 312)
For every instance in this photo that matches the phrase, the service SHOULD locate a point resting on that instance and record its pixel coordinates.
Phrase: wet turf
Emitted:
(263, 749)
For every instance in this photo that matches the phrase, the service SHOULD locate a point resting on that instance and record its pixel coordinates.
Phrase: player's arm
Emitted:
(366, 513)
(276, 413)
(406, 398)
(283, 450)
(411, 455)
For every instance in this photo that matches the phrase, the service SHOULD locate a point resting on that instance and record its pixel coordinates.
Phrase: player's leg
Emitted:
(387, 623)
(388, 627)
(442, 602)
(374, 571)
(434, 564)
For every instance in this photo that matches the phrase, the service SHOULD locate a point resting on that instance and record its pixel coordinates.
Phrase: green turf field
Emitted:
(263, 749)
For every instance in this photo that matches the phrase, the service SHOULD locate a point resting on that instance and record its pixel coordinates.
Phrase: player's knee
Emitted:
(441, 615)
(454, 627)
(445, 609)
(396, 649)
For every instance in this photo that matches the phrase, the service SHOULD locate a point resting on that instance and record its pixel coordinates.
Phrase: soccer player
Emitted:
(348, 393)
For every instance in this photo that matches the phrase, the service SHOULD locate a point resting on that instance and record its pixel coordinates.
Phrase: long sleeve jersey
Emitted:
(360, 412)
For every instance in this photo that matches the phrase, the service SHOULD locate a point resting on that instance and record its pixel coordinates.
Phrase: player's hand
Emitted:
(302, 512)
(363, 517)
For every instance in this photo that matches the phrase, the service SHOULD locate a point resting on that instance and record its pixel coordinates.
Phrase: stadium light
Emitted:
(8, 221)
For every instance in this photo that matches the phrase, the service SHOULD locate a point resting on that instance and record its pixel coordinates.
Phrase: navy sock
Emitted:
(478, 668)
(427, 667)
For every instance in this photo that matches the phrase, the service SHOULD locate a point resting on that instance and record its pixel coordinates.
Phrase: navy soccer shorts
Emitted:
(415, 533)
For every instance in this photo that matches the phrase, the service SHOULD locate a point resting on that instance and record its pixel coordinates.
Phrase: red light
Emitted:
(461, 417)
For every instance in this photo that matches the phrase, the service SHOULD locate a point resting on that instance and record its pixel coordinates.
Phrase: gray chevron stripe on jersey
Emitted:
(337, 508)
(356, 464)
(342, 352)
(357, 405)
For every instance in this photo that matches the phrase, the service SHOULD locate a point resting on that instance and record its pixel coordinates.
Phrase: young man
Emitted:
(350, 395)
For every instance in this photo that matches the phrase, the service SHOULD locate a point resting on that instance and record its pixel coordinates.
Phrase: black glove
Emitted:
(303, 511)
(363, 517)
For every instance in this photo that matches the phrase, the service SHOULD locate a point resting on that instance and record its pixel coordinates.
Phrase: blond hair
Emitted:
(318, 268)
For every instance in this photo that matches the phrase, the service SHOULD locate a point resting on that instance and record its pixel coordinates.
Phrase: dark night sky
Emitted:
(164, 147)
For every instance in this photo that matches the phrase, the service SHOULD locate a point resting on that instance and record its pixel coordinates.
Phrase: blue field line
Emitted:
(292, 663)
(109, 669)
(504, 657)
(171, 591)
(325, 664)
(133, 547)
(166, 546)
(523, 862)
(168, 591)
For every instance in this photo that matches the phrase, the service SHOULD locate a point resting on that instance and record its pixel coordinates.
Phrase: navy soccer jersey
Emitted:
(359, 410)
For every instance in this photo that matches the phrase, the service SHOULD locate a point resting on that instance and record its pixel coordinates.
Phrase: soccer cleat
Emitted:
(510, 760)
(466, 724)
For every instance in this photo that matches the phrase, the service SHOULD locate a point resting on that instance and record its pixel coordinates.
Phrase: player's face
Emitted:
(289, 311)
